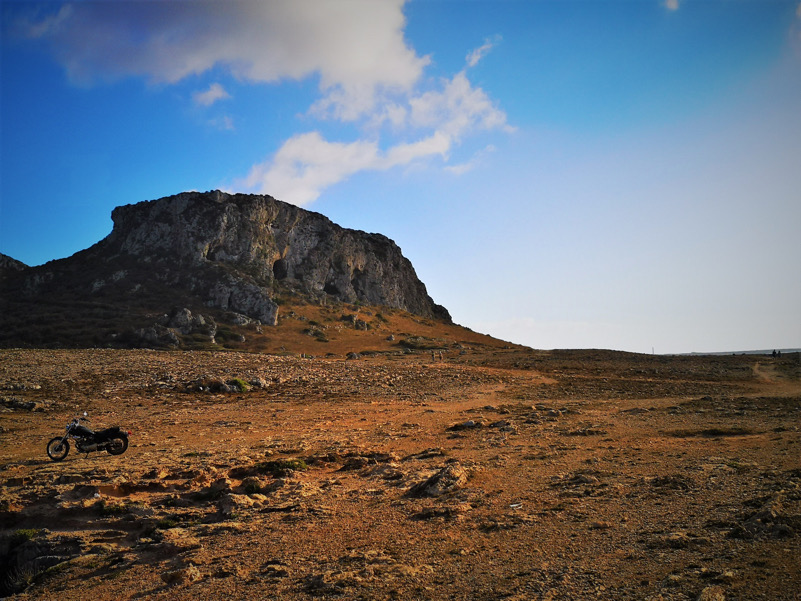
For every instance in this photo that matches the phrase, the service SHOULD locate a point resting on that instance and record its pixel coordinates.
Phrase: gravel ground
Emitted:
(484, 475)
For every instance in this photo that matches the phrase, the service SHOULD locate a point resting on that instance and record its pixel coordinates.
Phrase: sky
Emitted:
(618, 174)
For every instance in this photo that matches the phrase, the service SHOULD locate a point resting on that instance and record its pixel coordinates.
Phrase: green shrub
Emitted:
(239, 384)
(23, 535)
(251, 488)
(107, 509)
(282, 467)
(166, 524)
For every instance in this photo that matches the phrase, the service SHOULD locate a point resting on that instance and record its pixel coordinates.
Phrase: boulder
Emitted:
(450, 478)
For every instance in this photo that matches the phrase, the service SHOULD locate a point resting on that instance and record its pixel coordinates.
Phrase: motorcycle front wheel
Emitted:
(57, 450)
(117, 445)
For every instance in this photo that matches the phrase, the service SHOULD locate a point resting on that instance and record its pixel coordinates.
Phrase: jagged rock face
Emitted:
(9, 265)
(231, 252)
(257, 240)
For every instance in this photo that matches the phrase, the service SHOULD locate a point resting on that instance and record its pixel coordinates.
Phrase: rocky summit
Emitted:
(198, 258)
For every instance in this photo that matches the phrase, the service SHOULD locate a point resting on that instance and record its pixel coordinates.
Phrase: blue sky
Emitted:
(609, 174)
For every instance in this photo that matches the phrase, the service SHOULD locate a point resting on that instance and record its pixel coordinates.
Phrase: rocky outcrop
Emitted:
(233, 253)
(9, 265)
(257, 241)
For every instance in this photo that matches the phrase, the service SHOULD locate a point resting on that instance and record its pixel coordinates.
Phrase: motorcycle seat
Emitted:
(107, 433)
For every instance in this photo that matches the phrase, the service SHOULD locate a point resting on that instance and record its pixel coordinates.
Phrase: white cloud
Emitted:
(307, 164)
(355, 46)
(367, 75)
(213, 94)
(476, 55)
(42, 26)
(462, 168)
(224, 123)
(672, 4)
(457, 108)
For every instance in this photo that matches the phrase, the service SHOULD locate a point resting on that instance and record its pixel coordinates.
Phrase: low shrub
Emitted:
(21, 536)
(279, 468)
(239, 384)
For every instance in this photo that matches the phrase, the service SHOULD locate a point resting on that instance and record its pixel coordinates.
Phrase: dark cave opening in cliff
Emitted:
(280, 269)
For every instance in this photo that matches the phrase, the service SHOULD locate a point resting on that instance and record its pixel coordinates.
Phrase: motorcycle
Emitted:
(112, 440)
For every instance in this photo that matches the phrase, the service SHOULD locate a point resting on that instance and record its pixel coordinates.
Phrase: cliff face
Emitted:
(9, 265)
(233, 252)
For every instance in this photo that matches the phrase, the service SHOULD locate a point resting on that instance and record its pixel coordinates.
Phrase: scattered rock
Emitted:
(181, 576)
(231, 503)
(466, 425)
(448, 512)
(673, 482)
(13, 402)
(178, 540)
(450, 478)
(427, 454)
(712, 593)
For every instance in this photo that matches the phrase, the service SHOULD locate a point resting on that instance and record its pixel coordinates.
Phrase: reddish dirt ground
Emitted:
(490, 473)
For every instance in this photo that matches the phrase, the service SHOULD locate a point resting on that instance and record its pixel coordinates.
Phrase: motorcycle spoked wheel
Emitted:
(117, 445)
(57, 450)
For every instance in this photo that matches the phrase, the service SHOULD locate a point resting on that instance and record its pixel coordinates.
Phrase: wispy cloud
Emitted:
(306, 164)
(672, 5)
(462, 168)
(476, 55)
(224, 123)
(40, 25)
(457, 108)
(213, 94)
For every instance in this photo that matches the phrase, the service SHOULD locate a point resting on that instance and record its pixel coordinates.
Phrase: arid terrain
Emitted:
(486, 472)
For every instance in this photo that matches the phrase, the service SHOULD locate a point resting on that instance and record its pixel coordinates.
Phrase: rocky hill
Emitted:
(9, 265)
(173, 269)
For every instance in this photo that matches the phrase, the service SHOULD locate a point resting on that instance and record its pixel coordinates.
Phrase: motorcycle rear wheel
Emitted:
(57, 450)
(117, 445)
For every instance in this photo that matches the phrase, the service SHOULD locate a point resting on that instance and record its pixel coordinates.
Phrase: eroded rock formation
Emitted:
(229, 252)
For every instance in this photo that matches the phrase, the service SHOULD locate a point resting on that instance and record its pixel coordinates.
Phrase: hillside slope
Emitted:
(207, 270)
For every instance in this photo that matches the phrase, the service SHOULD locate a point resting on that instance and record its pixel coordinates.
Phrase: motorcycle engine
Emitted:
(84, 446)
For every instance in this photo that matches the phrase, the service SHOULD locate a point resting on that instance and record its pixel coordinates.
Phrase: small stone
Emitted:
(712, 593)
(466, 425)
(181, 576)
(229, 503)
(599, 525)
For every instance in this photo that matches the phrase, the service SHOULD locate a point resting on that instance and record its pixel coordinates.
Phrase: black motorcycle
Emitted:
(113, 440)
